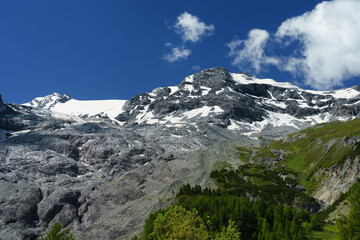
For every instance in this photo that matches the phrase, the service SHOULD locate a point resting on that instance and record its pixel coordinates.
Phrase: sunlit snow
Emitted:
(243, 79)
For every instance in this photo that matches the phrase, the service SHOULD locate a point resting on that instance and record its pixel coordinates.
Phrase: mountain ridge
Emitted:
(86, 168)
(259, 103)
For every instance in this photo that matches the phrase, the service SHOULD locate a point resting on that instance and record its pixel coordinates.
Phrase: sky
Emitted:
(118, 49)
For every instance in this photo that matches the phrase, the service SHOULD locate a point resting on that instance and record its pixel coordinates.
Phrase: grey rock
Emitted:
(255, 90)
(66, 216)
(22, 206)
(213, 77)
(338, 179)
(60, 205)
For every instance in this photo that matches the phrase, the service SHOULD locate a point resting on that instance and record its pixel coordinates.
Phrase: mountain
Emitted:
(100, 167)
(235, 101)
(241, 103)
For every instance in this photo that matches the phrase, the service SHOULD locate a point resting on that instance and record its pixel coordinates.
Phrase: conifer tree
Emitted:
(58, 233)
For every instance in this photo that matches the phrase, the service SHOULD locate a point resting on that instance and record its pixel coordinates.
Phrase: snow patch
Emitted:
(243, 79)
(233, 125)
(12, 134)
(319, 118)
(219, 91)
(272, 97)
(46, 102)
(63, 116)
(203, 112)
(205, 90)
(279, 104)
(189, 78)
(178, 121)
(352, 104)
(189, 88)
(145, 116)
(341, 93)
(346, 93)
(111, 108)
(18, 133)
(303, 104)
(176, 136)
(173, 90)
(279, 120)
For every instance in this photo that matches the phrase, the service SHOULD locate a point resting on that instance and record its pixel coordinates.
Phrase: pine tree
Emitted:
(58, 233)
(229, 233)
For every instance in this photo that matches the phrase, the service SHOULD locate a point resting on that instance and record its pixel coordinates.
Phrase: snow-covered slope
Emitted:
(340, 93)
(79, 108)
(110, 108)
(243, 78)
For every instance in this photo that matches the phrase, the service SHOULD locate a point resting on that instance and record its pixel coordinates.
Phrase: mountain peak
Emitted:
(48, 101)
(212, 77)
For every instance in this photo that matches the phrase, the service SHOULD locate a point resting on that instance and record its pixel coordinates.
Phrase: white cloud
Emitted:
(328, 39)
(251, 50)
(196, 68)
(191, 28)
(177, 53)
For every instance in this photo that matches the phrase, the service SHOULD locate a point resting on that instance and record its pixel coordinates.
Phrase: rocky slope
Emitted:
(100, 171)
(240, 102)
(337, 180)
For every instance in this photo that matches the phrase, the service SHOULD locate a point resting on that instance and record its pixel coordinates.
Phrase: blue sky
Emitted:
(117, 49)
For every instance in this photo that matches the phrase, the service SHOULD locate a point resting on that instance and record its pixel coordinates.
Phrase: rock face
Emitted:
(102, 177)
(338, 179)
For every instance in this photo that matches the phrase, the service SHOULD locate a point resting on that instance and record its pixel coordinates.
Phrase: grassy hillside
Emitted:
(281, 176)
(304, 153)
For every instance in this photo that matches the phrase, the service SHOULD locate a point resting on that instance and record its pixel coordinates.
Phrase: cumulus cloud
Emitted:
(328, 39)
(330, 35)
(177, 53)
(191, 28)
(251, 50)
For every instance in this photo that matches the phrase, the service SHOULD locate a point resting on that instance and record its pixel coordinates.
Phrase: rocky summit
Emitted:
(100, 167)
